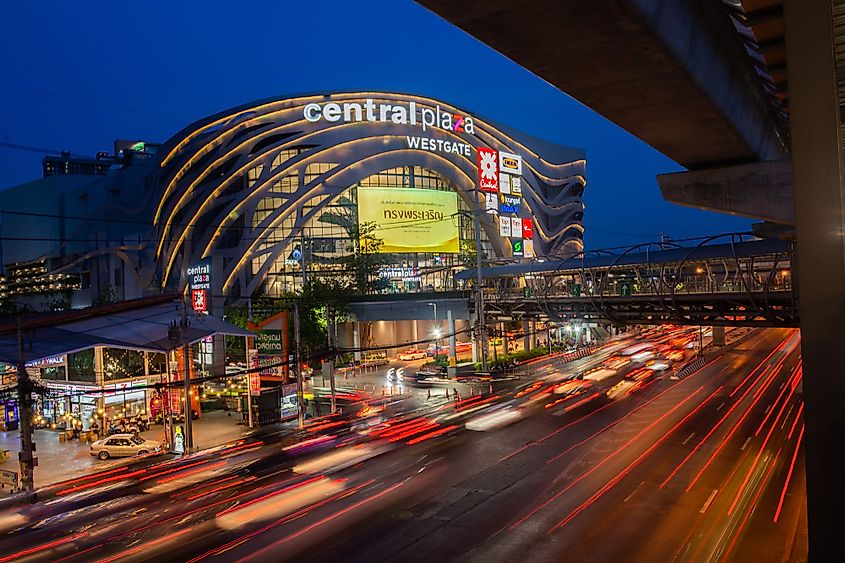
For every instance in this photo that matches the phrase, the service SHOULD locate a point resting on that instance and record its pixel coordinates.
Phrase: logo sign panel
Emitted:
(516, 227)
(504, 226)
(199, 300)
(528, 248)
(199, 280)
(510, 163)
(509, 204)
(488, 170)
(504, 184)
(516, 185)
(528, 228)
(491, 203)
(517, 247)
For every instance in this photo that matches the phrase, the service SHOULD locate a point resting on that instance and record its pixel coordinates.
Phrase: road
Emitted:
(681, 470)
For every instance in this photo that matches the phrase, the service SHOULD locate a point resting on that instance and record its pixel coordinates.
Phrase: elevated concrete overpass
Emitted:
(747, 95)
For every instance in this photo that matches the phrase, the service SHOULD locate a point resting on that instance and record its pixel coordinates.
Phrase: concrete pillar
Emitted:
(532, 335)
(453, 345)
(504, 328)
(820, 224)
(356, 341)
(718, 335)
(526, 339)
(588, 334)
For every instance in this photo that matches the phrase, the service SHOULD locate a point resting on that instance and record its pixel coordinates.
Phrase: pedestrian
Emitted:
(455, 393)
(95, 431)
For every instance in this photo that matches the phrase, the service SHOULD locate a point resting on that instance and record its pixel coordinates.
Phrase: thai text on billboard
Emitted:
(410, 219)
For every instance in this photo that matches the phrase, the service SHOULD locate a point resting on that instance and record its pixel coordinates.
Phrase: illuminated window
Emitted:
(316, 169)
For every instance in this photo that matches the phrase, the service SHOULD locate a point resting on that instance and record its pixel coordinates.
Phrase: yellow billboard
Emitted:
(411, 220)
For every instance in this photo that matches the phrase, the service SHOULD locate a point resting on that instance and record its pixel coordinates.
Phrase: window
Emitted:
(253, 174)
(316, 169)
(113, 442)
(80, 366)
(121, 364)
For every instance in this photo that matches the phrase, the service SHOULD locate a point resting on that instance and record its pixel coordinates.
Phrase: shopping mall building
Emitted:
(251, 196)
(257, 199)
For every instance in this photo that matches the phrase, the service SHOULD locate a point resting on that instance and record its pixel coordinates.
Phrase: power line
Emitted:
(111, 107)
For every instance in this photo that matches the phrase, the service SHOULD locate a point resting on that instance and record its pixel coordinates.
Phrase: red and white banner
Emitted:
(488, 170)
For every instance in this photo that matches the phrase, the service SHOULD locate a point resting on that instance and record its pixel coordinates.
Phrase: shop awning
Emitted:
(142, 328)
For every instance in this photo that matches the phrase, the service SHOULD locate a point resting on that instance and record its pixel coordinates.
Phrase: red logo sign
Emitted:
(199, 300)
(488, 170)
(528, 228)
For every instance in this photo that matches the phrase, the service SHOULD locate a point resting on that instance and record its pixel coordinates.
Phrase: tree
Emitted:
(108, 294)
(365, 259)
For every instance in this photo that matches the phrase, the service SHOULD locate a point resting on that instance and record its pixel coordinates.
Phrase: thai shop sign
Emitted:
(269, 345)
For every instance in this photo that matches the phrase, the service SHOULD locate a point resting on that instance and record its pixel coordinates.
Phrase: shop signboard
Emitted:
(504, 226)
(491, 203)
(254, 377)
(509, 203)
(504, 184)
(516, 185)
(488, 170)
(199, 280)
(517, 247)
(516, 227)
(510, 163)
(527, 228)
(269, 346)
(528, 247)
(410, 219)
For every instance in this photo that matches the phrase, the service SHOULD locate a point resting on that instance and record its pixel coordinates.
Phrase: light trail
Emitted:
(605, 460)
(631, 466)
(789, 475)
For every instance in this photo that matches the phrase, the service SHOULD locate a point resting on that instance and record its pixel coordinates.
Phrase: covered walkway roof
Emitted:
(141, 324)
(704, 252)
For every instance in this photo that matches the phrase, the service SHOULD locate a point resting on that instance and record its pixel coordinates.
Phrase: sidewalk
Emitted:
(58, 461)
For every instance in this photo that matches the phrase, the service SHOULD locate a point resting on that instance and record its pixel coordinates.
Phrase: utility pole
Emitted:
(300, 394)
(25, 456)
(482, 322)
(186, 363)
(330, 333)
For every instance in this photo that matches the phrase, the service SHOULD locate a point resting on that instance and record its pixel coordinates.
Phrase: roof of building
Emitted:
(143, 326)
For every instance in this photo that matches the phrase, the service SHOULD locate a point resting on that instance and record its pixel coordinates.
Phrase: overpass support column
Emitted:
(505, 343)
(453, 345)
(820, 224)
(532, 335)
(718, 337)
(526, 335)
(356, 341)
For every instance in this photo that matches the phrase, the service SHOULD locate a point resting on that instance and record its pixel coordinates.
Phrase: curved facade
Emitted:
(258, 186)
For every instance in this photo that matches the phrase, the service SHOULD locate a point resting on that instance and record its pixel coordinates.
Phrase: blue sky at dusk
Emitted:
(77, 75)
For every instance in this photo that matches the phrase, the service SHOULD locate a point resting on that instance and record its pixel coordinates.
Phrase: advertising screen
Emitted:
(411, 220)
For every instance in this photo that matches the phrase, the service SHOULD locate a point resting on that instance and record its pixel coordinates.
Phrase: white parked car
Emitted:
(408, 355)
(123, 445)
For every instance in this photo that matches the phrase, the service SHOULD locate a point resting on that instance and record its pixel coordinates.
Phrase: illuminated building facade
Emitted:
(272, 187)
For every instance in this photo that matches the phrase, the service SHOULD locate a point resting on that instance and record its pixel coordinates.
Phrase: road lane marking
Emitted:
(688, 439)
(746, 443)
(720, 406)
(634, 491)
(709, 500)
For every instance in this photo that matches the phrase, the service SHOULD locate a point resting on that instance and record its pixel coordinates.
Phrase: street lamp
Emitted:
(436, 330)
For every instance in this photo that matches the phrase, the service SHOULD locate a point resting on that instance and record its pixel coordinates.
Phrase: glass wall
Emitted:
(325, 240)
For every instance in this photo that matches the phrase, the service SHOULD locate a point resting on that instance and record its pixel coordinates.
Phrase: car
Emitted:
(412, 354)
(123, 445)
